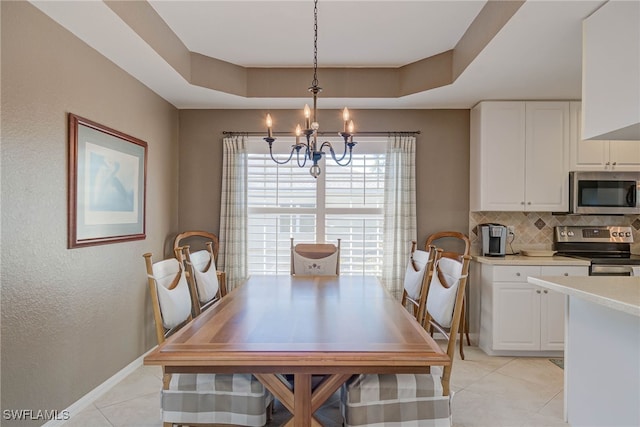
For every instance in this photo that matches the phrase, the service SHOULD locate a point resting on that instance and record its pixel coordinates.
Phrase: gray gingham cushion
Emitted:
(238, 399)
(395, 400)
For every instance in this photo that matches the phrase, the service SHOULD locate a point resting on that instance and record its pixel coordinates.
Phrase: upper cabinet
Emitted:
(611, 72)
(519, 156)
(596, 155)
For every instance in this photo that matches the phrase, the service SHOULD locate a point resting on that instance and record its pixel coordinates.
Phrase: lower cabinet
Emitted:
(517, 317)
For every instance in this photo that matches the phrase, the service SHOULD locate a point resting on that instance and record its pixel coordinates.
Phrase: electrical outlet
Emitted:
(511, 229)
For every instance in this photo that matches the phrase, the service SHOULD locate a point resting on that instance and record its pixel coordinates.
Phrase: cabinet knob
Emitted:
(566, 274)
(518, 274)
(614, 163)
(538, 291)
(528, 203)
(545, 291)
(522, 203)
(608, 163)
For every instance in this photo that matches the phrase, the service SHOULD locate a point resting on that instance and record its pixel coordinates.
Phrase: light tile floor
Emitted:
(489, 392)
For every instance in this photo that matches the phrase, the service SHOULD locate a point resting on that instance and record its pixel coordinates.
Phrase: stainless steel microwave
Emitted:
(604, 193)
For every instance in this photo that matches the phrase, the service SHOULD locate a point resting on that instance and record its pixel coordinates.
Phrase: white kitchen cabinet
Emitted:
(611, 72)
(518, 318)
(519, 156)
(595, 155)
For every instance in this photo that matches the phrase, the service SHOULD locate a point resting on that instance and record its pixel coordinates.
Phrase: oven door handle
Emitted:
(604, 269)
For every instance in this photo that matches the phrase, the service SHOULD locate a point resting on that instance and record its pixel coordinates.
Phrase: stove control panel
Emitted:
(602, 234)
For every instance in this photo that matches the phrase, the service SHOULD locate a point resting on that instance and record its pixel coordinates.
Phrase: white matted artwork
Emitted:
(107, 179)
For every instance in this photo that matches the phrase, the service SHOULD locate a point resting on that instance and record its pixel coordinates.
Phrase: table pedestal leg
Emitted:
(302, 402)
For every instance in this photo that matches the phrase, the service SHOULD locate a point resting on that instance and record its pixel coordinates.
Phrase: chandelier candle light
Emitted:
(311, 150)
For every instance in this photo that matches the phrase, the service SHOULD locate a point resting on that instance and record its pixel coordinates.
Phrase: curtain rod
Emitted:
(370, 133)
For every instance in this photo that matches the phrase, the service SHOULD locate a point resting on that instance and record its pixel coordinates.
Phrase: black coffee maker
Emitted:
(494, 239)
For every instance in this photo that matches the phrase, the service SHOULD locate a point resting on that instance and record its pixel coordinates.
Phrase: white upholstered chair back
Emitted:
(170, 295)
(416, 278)
(209, 287)
(443, 289)
(206, 283)
(315, 259)
(205, 276)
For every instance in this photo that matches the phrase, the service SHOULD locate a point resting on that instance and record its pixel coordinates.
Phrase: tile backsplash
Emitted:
(534, 230)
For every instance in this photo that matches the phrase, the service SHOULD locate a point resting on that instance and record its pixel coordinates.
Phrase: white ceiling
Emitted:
(537, 54)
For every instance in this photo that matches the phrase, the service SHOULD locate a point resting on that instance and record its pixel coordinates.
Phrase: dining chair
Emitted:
(454, 244)
(416, 278)
(198, 240)
(315, 259)
(207, 285)
(203, 255)
(423, 398)
(198, 398)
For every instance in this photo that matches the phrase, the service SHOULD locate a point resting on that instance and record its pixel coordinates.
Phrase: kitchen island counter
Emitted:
(618, 293)
(602, 348)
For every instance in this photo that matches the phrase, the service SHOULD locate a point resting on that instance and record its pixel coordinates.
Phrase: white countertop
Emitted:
(618, 293)
(530, 260)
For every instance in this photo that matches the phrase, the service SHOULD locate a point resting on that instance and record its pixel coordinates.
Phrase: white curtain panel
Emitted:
(400, 210)
(232, 258)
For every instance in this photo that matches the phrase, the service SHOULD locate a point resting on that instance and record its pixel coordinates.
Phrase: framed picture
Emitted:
(107, 185)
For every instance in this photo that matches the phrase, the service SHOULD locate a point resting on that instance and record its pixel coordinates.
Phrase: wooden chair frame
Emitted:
(454, 235)
(457, 318)
(212, 245)
(184, 256)
(199, 234)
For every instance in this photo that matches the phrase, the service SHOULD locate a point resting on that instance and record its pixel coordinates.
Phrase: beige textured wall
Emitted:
(70, 318)
(73, 318)
(442, 159)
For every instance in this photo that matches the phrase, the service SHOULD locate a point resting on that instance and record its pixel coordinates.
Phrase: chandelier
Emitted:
(309, 150)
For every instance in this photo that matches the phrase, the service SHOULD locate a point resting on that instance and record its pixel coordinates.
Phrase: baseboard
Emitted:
(93, 395)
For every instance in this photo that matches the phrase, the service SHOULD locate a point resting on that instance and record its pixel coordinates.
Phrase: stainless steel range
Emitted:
(607, 247)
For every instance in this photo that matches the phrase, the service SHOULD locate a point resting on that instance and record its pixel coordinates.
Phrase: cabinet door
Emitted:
(552, 307)
(624, 155)
(547, 156)
(516, 310)
(497, 177)
(587, 155)
(595, 155)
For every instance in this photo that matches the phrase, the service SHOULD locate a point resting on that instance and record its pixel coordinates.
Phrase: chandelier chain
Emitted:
(310, 150)
(314, 83)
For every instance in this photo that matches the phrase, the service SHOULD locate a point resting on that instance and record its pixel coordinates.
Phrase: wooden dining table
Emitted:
(331, 327)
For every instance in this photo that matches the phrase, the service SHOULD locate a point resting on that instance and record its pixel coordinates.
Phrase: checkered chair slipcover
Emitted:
(395, 400)
(238, 399)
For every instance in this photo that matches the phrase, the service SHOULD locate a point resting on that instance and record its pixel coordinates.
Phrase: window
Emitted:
(345, 202)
